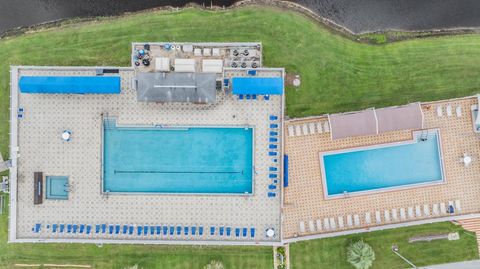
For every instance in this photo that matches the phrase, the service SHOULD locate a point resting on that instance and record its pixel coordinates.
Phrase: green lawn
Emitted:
(331, 252)
(119, 256)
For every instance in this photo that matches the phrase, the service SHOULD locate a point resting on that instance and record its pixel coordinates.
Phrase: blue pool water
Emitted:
(383, 167)
(57, 187)
(190, 160)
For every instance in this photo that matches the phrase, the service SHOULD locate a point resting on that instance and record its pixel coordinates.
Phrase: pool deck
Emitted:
(36, 146)
(304, 200)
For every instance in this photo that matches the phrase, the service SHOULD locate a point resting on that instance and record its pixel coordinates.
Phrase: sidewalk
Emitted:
(475, 264)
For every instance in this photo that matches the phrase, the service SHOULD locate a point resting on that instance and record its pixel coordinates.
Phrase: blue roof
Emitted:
(70, 85)
(257, 85)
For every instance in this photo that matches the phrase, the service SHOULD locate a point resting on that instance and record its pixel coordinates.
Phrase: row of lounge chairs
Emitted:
(253, 97)
(385, 217)
(143, 230)
(308, 128)
(448, 111)
(273, 147)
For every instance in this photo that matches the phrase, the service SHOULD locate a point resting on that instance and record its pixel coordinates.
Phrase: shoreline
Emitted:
(373, 38)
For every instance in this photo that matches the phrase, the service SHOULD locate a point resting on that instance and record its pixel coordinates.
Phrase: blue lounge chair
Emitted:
(62, 228)
(20, 116)
(110, 229)
(275, 160)
(179, 230)
(273, 133)
(165, 230)
(48, 226)
(125, 229)
(229, 231)
(272, 140)
(272, 194)
(97, 228)
(185, 230)
(272, 117)
(54, 228)
(272, 146)
(200, 230)
(159, 230)
(247, 96)
(272, 153)
(37, 227)
(226, 81)
(244, 232)
(272, 187)
(88, 229)
(212, 230)
(221, 231)
(82, 228)
(266, 97)
(104, 228)
(240, 96)
(145, 230)
(139, 230)
(272, 175)
(272, 169)
(237, 232)
(274, 126)
(254, 97)
(69, 228)
(194, 230)
(275, 181)
(130, 230)
(252, 232)
(252, 72)
(117, 229)
(172, 230)
(152, 230)
(75, 228)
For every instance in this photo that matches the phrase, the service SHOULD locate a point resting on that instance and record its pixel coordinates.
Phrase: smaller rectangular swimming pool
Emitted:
(57, 187)
(383, 167)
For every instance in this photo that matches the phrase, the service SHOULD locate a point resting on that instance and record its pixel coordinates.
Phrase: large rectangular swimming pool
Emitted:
(177, 160)
(382, 167)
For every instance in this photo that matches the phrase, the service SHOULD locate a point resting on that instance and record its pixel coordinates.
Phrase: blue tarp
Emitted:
(285, 170)
(70, 85)
(257, 85)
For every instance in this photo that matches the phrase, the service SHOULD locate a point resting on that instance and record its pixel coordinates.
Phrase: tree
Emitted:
(360, 255)
(214, 265)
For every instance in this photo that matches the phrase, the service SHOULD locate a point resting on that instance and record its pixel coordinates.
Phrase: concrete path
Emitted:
(458, 265)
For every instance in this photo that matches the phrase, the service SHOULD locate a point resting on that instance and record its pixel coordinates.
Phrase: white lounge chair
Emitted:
(394, 214)
(311, 227)
(368, 218)
(458, 111)
(458, 207)
(426, 210)
(418, 211)
(378, 218)
(356, 220)
(439, 111)
(305, 129)
(311, 127)
(402, 214)
(319, 128)
(298, 130)
(340, 222)
(326, 224)
(326, 127)
(410, 212)
(449, 110)
(387, 216)
(443, 209)
(349, 221)
(319, 225)
(435, 210)
(332, 224)
(302, 227)
(291, 130)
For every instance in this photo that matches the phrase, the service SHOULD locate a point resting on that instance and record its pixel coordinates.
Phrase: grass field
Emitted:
(331, 252)
(337, 75)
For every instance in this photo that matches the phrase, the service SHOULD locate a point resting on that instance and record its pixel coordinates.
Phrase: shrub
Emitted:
(360, 255)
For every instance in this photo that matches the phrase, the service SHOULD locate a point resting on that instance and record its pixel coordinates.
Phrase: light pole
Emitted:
(395, 250)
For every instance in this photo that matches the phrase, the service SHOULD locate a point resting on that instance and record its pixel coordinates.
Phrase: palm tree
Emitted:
(214, 265)
(132, 267)
(360, 255)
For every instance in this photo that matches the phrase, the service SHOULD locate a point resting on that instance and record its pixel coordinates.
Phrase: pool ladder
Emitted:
(424, 135)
